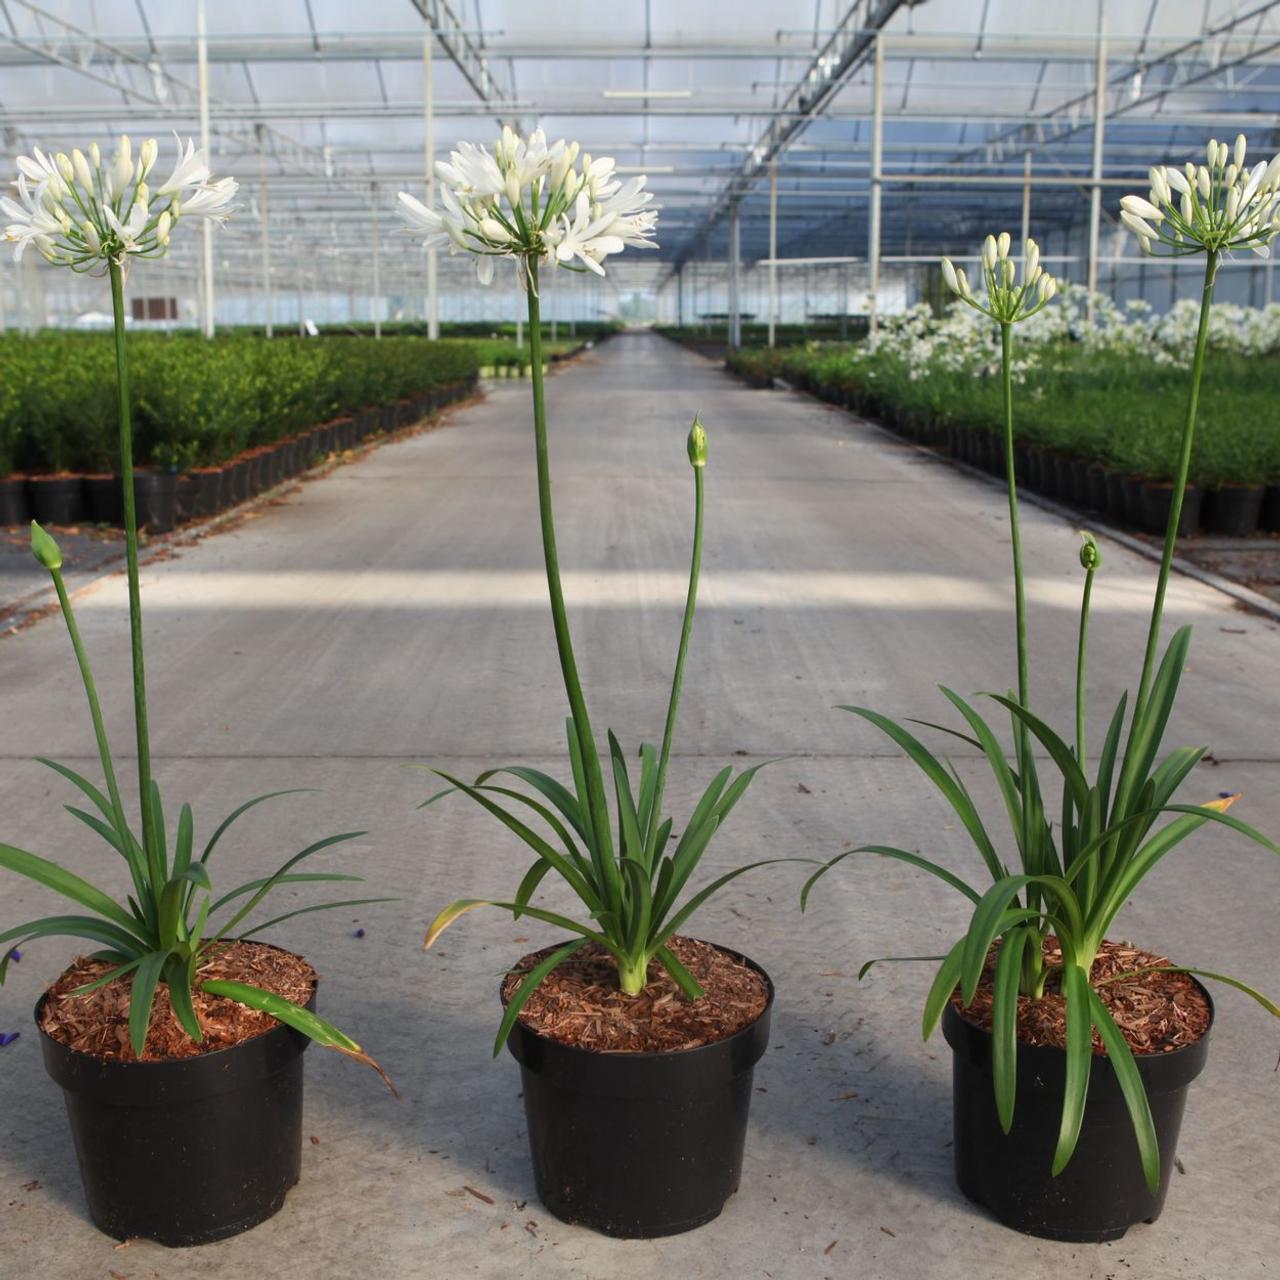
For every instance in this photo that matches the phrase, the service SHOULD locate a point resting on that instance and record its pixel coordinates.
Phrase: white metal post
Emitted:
(1026, 196)
(264, 215)
(773, 250)
(877, 158)
(735, 256)
(202, 58)
(377, 268)
(1095, 191)
(429, 125)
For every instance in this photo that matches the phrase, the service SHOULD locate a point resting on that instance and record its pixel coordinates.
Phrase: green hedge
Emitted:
(197, 403)
(1119, 409)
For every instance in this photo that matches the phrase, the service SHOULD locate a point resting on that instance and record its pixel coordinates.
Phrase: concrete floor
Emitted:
(396, 613)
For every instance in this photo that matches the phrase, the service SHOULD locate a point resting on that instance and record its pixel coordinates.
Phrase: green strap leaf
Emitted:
(1135, 1095)
(684, 979)
(530, 882)
(945, 981)
(142, 997)
(530, 983)
(463, 905)
(900, 855)
(1075, 988)
(714, 887)
(295, 1016)
(67, 883)
(1061, 754)
(256, 928)
(1004, 1020)
(91, 927)
(243, 809)
(932, 768)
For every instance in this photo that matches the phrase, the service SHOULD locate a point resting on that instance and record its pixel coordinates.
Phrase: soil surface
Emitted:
(1156, 1012)
(98, 1022)
(580, 1003)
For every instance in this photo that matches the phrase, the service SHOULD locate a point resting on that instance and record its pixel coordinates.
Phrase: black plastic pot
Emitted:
(1156, 501)
(13, 501)
(1102, 1192)
(155, 494)
(1117, 507)
(56, 499)
(1134, 512)
(1078, 469)
(1035, 468)
(1233, 509)
(207, 485)
(236, 483)
(104, 499)
(187, 1151)
(639, 1145)
(1097, 486)
(1268, 517)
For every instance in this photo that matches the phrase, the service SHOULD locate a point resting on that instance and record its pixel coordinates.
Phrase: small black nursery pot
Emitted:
(189, 1150)
(1102, 1191)
(639, 1145)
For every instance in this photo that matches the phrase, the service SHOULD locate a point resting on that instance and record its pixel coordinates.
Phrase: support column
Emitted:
(428, 120)
(264, 217)
(1095, 191)
(773, 250)
(680, 298)
(877, 158)
(1026, 195)
(377, 265)
(735, 252)
(202, 60)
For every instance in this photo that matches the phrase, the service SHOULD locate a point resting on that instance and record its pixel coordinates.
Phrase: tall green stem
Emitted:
(568, 666)
(695, 566)
(1019, 591)
(1081, 655)
(1179, 489)
(131, 562)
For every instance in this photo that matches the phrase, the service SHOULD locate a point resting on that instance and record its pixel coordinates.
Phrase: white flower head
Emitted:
(532, 202)
(1006, 301)
(1215, 207)
(80, 213)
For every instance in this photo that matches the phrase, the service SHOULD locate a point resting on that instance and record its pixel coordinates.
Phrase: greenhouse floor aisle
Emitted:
(395, 613)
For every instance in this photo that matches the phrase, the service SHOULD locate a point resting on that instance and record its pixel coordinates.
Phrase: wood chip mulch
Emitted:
(98, 1022)
(1156, 1012)
(580, 1003)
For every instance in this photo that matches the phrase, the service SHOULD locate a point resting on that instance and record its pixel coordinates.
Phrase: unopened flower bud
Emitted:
(147, 157)
(163, 222)
(84, 175)
(990, 252)
(1031, 264)
(1003, 244)
(95, 155)
(697, 443)
(1241, 147)
(949, 275)
(45, 549)
(1090, 556)
(63, 161)
(91, 238)
(513, 188)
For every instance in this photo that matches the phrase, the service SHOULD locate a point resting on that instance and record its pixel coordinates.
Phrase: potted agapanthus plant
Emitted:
(178, 1042)
(637, 1111)
(1073, 1052)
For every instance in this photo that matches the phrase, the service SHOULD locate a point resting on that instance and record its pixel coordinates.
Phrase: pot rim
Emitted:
(643, 1055)
(1023, 1046)
(206, 1056)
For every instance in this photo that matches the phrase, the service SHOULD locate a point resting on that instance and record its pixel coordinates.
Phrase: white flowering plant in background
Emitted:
(534, 203)
(82, 213)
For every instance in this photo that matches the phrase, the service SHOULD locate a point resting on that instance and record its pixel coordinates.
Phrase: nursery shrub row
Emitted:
(1100, 430)
(254, 409)
(196, 403)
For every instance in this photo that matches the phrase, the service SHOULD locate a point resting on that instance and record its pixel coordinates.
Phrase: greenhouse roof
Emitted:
(320, 103)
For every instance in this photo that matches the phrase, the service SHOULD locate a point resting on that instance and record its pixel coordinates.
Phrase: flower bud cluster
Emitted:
(1213, 207)
(80, 212)
(1006, 301)
(533, 202)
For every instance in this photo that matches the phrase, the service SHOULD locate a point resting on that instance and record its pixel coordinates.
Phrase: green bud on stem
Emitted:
(697, 443)
(45, 549)
(1090, 556)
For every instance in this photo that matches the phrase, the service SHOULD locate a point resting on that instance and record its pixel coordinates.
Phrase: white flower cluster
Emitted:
(963, 343)
(1006, 301)
(80, 212)
(532, 202)
(1214, 207)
